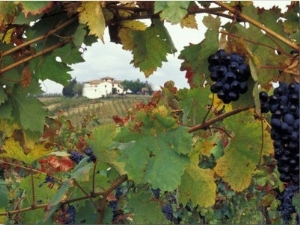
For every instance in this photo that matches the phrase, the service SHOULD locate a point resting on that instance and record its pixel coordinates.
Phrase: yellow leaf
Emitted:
(134, 25)
(125, 33)
(90, 13)
(243, 153)
(15, 151)
(7, 38)
(198, 186)
(189, 21)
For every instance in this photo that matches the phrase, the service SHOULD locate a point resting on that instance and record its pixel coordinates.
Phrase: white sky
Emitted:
(109, 59)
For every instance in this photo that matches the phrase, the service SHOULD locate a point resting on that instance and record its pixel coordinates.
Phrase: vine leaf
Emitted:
(42, 192)
(3, 96)
(195, 55)
(197, 185)
(34, 8)
(151, 47)
(69, 54)
(101, 141)
(126, 35)
(145, 160)
(3, 193)
(291, 24)
(193, 103)
(171, 11)
(49, 68)
(242, 154)
(28, 109)
(90, 13)
(147, 208)
(56, 199)
(189, 21)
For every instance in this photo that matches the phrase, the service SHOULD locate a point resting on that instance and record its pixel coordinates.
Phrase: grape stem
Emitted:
(257, 24)
(206, 124)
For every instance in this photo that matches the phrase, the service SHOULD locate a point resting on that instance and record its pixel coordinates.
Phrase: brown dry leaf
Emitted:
(292, 66)
(26, 76)
(189, 21)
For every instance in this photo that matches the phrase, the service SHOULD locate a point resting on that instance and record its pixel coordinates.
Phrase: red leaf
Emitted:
(66, 164)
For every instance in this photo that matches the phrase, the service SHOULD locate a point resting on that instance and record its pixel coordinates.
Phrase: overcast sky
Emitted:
(109, 59)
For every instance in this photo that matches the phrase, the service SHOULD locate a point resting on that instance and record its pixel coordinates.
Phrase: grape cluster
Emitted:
(230, 74)
(284, 107)
(76, 156)
(286, 208)
(156, 192)
(68, 215)
(168, 211)
(117, 213)
(72, 213)
(89, 152)
(49, 180)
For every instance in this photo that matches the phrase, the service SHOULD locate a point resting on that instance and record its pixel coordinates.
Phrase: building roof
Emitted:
(98, 81)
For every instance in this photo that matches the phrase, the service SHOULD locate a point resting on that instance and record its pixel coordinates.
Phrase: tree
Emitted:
(224, 150)
(68, 90)
(136, 86)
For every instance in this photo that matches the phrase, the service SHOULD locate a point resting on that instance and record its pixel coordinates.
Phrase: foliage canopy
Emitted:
(215, 158)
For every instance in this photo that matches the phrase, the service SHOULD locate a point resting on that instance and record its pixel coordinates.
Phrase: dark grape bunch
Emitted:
(89, 152)
(284, 108)
(286, 197)
(76, 156)
(68, 216)
(230, 74)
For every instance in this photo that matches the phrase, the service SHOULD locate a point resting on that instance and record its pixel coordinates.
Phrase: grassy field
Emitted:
(77, 108)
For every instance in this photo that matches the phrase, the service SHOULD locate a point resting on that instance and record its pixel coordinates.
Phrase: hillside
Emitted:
(77, 108)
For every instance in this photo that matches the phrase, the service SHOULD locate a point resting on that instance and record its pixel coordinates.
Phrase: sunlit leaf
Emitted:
(90, 13)
(242, 155)
(197, 186)
(171, 11)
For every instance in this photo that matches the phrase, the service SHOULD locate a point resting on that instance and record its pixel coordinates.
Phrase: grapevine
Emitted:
(223, 151)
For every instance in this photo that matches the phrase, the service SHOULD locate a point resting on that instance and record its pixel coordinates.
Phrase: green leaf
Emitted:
(145, 161)
(3, 194)
(172, 11)
(195, 55)
(193, 103)
(143, 214)
(42, 192)
(56, 199)
(270, 18)
(79, 35)
(3, 96)
(5, 110)
(35, 7)
(89, 215)
(83, 173)
(291, 24)
(69, 54)
(198, 186)
(151, 47)
(29, 111)
(242, 154)
(48, 68)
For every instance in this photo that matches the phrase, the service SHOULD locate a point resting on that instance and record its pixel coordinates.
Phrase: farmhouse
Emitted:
(101, 87)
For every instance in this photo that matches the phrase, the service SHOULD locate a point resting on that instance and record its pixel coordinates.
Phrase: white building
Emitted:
(101, 88)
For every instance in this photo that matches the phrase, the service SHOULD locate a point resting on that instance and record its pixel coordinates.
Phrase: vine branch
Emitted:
(206, 124)
(257, 24)
(51, 32)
